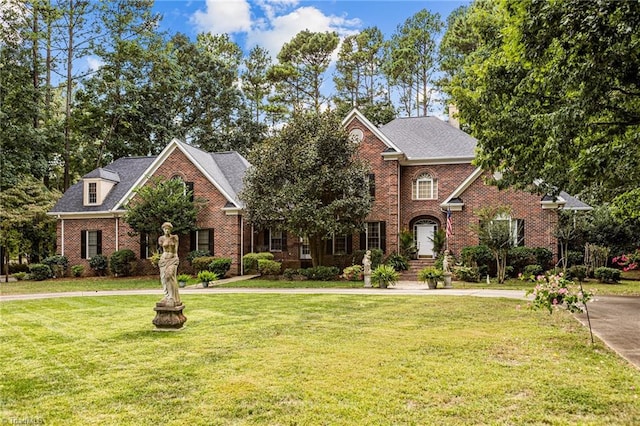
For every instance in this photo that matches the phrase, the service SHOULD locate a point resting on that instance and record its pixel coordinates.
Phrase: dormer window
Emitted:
(93, 192)
(97, 186)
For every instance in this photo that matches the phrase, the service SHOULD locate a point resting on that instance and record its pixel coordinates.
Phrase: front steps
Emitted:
(414, 267)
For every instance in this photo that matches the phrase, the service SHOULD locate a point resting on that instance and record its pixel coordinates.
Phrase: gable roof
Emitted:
(429, 138)
(224, 170)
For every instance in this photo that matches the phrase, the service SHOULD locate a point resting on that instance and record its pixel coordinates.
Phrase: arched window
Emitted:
(425, 188)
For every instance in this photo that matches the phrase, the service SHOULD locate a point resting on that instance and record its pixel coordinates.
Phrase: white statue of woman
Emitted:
(168, 264)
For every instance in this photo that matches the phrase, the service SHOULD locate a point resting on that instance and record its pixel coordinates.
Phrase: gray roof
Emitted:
(128, 169)
(571, 202)
(103, 174)
(227, 169)
(429, 138)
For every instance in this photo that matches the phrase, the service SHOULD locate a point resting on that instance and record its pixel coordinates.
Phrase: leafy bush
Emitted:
(99, 264)
(220, 266)
(543, 257)
(197, 253)
(250, 260)
(18, 267)
(521, 257)
(607, 275)
(20, 275)
(269, 267)
(575, 257)
(202, 263)
(39, 271)
(467, 273)
(77, 270)
(376, 257)
(353, 273)
(577, 272)
(321, 273)
(554, 291)
(397, 261)
(183, 278)
(58, 264)
(532, 271)
(207, 276)
(384, 276)
(290, 273)
(120, 262)
(477, 256)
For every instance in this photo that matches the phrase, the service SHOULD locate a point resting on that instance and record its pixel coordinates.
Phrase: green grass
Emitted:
(307, 359)
(624, 288)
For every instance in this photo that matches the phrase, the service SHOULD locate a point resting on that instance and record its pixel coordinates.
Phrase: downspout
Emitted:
(117, 239)
(398, 220)
(241, 245)
(61, 236)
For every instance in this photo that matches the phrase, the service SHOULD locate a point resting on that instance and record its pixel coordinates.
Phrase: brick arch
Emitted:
(425, 217)
(424, 171)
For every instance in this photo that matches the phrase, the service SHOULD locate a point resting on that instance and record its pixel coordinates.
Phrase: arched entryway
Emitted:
(424, 228)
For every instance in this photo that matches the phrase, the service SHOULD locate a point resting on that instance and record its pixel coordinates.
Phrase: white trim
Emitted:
(87, 215)
(369, 125)
(117, 232)
(461, 188)
(61, 234)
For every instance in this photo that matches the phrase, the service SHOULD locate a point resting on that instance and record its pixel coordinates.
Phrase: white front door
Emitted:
(424, 235)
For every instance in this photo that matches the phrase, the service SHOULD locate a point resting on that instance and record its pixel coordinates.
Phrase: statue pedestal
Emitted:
(447, 280)
(169, 318)
(367, 281)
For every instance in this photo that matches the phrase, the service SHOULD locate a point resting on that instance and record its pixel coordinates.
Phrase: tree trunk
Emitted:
(316, 244)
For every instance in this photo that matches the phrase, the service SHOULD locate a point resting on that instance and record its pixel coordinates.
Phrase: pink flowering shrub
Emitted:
(553, 291)
(629, 261)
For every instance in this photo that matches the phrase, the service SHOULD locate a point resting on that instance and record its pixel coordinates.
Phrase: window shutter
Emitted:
(211, 241)
(328, 246)
(144, 244)
(284, 241)
(189, 186)
(363, 241)
(383, 236)
(520, 225)
(99, 244)
(83, 244)
(192, 240)
(349, 244)
(372, 184)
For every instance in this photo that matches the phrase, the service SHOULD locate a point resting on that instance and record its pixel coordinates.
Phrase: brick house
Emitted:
(421, 170)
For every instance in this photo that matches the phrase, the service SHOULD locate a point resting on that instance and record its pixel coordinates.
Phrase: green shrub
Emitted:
(183, 278)
(202, 263)
(321, 273)
(479, 257)
(99, 264)
(39, 271)
(532, 271)
(575, 257)
(384, 276)
(269, 267)
(120, 262)
(353, 273)
(250, 260)
(77, 270)
(197, 253)
(220, 266)
(577, 272)
(543, 257)
(58, 264)
(607, 275)
(18, 267)
(397, 261)
(467, 273)
(20, 276)
(521, 257)
(289, 273)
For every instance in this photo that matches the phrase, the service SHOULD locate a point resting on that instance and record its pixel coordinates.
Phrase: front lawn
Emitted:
(60, 285)
(307, 359)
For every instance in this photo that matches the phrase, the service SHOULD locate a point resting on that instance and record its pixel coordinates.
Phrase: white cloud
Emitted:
(274, 23)
(224, 16)
(93, 63)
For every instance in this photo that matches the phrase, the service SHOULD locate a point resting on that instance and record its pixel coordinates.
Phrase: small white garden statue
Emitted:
(446, 268)
(366, 270)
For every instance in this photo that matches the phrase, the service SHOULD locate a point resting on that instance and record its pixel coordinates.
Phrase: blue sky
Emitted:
(271, 23)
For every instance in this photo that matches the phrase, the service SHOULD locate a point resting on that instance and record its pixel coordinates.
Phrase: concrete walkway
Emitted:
(615, 320)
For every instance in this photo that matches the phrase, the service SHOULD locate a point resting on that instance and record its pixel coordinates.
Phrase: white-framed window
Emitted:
(373, 235)
(93, 193)
(202, 240)
(305, 248)
(90, 244)
(425, 187)
(515, 228)
(275, 240)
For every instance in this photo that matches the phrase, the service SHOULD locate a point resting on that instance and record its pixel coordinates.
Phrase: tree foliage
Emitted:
(160, 201)
(496, 233)
(551, 91)
(307, 181)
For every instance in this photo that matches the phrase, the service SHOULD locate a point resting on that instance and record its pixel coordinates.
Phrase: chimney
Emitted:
(453, 116)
